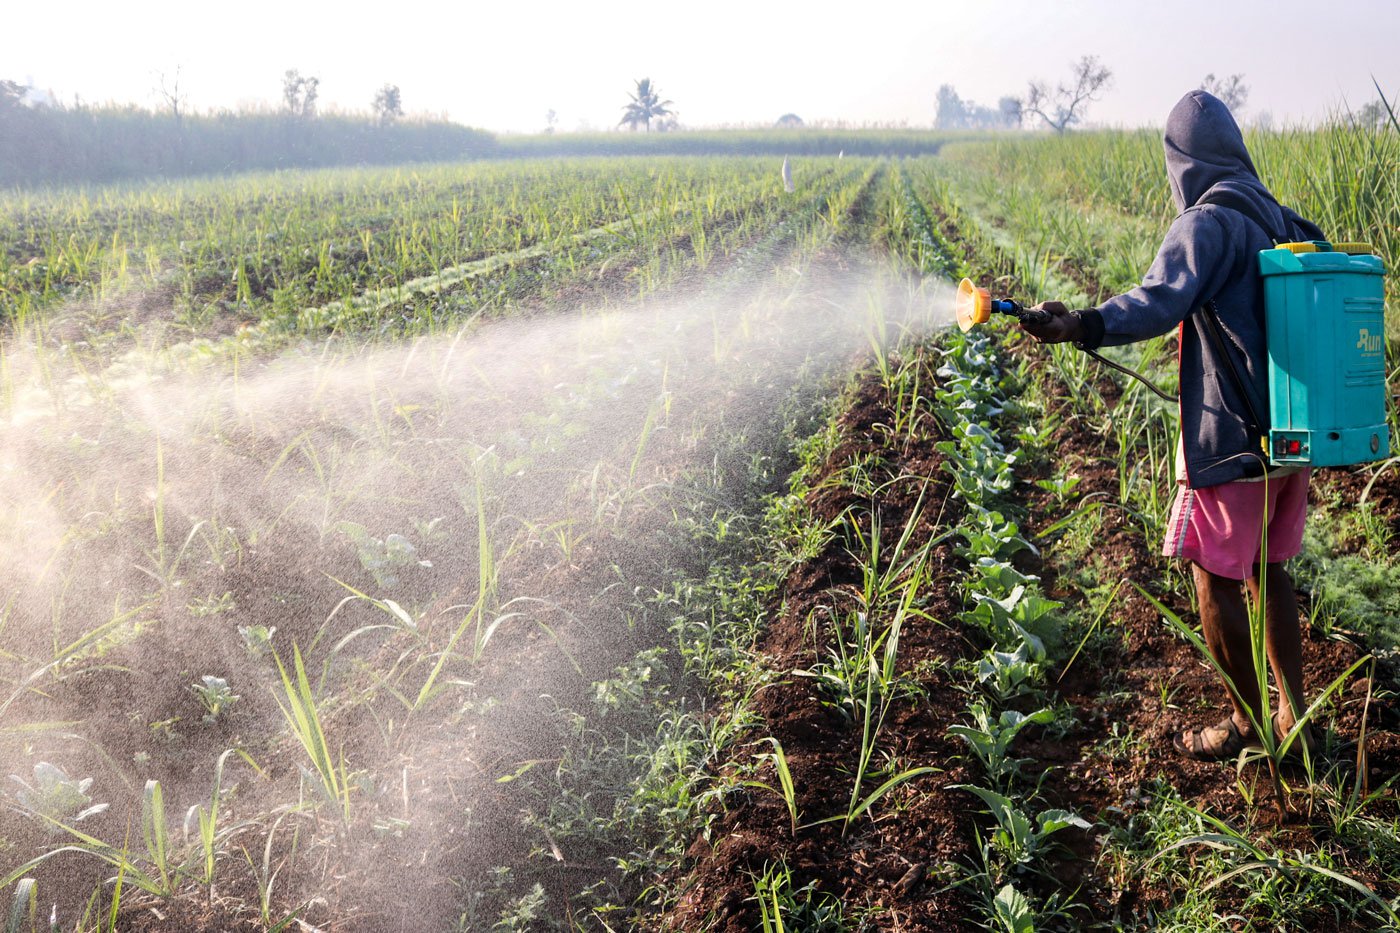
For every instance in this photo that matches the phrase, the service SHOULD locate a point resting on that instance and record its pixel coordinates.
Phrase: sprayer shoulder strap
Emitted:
(1220, 344)
(1224, 197)
(1210, 314)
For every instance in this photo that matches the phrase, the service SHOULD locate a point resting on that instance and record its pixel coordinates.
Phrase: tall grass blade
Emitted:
(26, 901)
(304, 719)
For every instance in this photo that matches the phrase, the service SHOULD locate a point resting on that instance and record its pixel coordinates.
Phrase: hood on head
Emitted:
(1204, 147)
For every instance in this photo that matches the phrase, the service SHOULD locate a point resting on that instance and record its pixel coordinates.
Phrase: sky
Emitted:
(504, 65)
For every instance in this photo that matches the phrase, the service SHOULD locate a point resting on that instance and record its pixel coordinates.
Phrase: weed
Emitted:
(1276, 868)
(303, 716)
(785, 788)
(785, 909)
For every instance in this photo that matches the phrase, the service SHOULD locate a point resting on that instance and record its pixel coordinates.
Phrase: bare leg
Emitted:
(1283, 631)
(1225, 628)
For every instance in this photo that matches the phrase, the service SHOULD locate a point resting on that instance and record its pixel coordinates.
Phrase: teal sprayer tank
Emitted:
(1325, 311)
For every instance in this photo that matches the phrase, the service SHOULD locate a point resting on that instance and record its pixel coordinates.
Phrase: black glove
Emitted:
(1062, 327)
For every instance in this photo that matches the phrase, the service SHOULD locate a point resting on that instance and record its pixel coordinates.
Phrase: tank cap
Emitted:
(1307, 246)
(1354, 249)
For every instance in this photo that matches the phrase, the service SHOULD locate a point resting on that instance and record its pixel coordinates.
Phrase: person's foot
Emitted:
(1220, 742)
(1283, 724)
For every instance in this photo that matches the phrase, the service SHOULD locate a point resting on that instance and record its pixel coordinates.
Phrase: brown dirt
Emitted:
(922, 826)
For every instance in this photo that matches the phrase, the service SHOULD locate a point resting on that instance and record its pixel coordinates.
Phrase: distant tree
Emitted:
(1064, 106)
(299, 93)
(1377, 115)
(388, 104)
(789, 121)
(11, 95)
(952, 112)
(1232, 91)
(646, 106)
(551, 120)
(168, 89)
(1009, 108)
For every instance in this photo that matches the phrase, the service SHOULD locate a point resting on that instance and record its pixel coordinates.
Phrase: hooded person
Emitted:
(1205, 283)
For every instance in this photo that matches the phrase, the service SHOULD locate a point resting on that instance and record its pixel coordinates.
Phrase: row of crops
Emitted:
(1042, 489)
(269, 246)
(511, 547)
(393, 634)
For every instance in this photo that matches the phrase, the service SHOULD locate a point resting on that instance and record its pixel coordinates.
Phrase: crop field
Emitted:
(630, 543)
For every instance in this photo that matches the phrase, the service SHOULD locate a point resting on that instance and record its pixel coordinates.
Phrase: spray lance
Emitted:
(975, 305)
(1324, 313)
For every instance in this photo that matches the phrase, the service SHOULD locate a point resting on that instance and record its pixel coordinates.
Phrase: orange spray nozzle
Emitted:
(973, 305)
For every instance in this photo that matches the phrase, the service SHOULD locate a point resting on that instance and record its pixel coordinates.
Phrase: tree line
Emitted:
(46, 142)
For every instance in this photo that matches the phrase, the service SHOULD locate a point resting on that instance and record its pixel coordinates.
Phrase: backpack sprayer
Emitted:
(1324, 312)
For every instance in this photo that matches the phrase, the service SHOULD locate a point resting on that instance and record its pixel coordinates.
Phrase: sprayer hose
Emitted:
(1135, 374)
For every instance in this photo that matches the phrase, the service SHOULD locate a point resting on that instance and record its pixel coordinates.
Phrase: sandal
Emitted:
(1220, 742)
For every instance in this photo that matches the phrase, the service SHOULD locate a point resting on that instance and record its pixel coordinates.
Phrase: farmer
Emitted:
(1217, 520)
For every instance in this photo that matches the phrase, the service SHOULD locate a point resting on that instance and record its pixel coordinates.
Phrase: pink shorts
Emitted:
(1222, 527)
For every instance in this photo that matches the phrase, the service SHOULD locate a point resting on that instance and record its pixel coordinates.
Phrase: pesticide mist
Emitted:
(400, 580)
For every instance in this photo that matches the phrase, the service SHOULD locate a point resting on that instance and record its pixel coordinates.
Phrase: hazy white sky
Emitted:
(502, 65)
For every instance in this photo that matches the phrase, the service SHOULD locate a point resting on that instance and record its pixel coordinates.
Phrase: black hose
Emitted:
(1136, 375)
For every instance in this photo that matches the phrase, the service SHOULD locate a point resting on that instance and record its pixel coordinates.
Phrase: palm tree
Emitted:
(646, 106)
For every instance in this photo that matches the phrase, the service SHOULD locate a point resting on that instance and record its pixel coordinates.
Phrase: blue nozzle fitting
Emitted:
(1021, 313)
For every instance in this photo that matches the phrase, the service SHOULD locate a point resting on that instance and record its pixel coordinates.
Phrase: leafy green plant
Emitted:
(383, 558)
(990, 736)
(257, 639)
(978, 463)
(1019, 838)
(1012, 912)
(1022, 617)
(55, 798)
(1008, 675)
(523, 911)
(989, 533)
(215, 695)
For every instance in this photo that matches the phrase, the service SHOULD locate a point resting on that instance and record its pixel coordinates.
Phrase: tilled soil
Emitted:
(883, 862)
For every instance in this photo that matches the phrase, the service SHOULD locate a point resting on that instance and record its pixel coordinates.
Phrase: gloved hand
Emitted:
(1062, 327)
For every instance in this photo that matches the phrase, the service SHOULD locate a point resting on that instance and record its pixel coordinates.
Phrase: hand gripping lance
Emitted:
(974, 306)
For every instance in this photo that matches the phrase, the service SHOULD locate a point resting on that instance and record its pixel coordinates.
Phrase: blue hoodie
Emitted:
(1210, 252)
